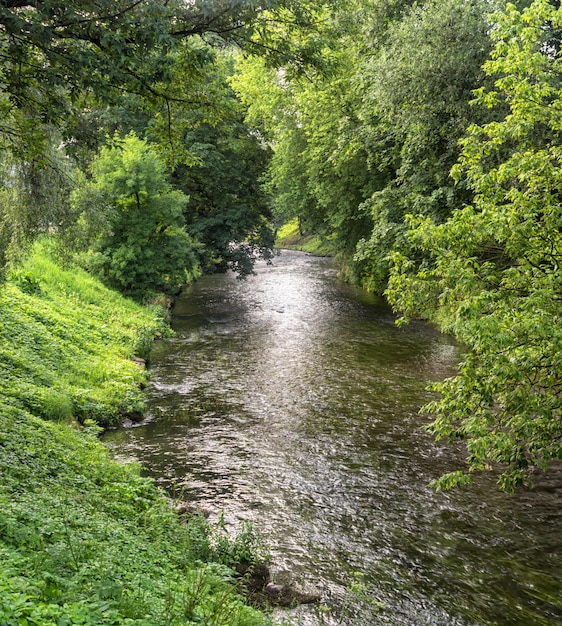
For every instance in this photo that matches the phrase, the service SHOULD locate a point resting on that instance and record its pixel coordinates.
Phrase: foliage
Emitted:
(246, 547)
(228, 211)
(372, 133)
(57, 53)
(66, 344)
(418, 84)
(491, 273)
(73, 70)
(142, 247)
(211, 155)
(364, 145)
(289, 237)
(318, 172)
(83, 539)
(363, 149)
(34, 198)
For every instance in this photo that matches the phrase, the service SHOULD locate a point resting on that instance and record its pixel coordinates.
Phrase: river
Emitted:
(291, 400)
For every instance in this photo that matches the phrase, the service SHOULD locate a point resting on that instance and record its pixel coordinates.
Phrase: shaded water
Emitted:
(291, 400)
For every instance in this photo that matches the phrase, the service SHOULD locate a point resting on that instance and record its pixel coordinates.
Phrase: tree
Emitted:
(63, 62)
(418, 83)
(132, 224)
(319, 172)
(211, 154)
(55, 52)
(492, 273)
(228, 210)
(34, 198)
(372, 133)
(270, 109)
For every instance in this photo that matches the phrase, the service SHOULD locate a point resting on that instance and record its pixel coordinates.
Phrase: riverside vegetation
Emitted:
(290, 237)
(83, 539)
(419, 141)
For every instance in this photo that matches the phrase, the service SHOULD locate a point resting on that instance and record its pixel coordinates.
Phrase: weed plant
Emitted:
(83, 539)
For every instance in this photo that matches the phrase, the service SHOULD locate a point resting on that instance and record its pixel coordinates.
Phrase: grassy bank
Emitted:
(67, 342)
(290, 238)
(84, 540)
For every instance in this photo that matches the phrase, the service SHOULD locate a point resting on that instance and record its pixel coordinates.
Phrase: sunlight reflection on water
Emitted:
(291, 400)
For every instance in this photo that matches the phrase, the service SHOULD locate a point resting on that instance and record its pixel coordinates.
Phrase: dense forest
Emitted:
(144, 143)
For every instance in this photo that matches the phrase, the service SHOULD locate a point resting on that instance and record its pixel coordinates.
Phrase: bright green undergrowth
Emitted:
(289, 238)
(83, 539)
(67, 342)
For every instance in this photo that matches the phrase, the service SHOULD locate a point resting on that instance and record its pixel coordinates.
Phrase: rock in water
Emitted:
(284, 595)
(255, 576)
(257, 585)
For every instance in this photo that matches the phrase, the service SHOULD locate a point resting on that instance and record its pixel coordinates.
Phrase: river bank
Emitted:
(84, 539)
(290, 237)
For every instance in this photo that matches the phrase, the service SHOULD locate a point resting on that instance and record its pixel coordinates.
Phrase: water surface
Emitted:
(291, 400)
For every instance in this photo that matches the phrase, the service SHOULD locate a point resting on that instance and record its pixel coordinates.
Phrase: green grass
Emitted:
(289, 238)
(67, 342)
(83, 539)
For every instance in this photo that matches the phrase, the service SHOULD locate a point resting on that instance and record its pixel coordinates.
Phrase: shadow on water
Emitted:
(291, 400)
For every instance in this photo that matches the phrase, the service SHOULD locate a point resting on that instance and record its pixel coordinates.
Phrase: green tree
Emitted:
(228, 210)
(270, 104)
(371, 134)
(492, 273)
(54, 51)
(212, 156)
(34, 199)
(131, 221)
(319, 171)
(418, 83)
(63, 63)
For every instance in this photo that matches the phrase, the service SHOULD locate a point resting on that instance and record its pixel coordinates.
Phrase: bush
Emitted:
(140, 245)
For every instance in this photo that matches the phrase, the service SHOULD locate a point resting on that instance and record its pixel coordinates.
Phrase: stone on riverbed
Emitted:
(186, 510)
(257, 585)
(286, 596)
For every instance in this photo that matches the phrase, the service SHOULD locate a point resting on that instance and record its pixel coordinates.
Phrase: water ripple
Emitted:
(292, 400)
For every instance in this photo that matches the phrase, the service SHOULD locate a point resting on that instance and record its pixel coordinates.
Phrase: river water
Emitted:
(291, 400)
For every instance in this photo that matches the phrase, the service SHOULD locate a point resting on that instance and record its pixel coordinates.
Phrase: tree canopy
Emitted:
(73, 73)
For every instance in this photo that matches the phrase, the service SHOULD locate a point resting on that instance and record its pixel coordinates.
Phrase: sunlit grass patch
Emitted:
(290, 238)
(67, 342)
